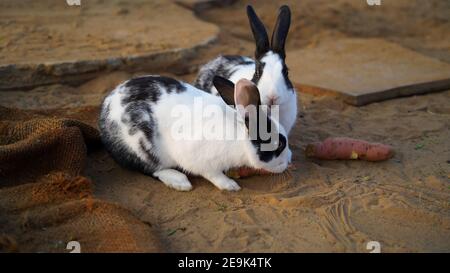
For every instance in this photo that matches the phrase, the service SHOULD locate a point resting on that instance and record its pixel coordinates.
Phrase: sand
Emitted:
(47, 42)
(325, 206)
(52, 31)
(321, 206)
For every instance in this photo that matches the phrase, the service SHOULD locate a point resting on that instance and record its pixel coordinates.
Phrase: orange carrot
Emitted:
(245, 172)
(348, 148)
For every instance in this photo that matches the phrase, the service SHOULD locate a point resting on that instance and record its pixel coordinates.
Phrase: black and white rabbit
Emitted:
(139, 129)
(268, 71)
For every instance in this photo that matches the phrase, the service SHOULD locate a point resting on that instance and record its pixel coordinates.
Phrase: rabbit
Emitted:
(268, 71)
(137, 120)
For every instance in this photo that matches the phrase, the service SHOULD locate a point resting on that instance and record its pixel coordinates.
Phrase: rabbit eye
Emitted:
(258, 71)
(281, 144)
(285, 71)
(259, 67)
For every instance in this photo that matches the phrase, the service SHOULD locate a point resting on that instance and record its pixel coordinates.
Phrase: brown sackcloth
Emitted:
(44, 200)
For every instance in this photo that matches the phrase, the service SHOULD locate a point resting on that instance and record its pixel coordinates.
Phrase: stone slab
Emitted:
(363, 71)
(48, 41)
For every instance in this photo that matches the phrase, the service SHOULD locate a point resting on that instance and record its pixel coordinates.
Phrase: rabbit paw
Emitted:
(174, 179)
(223, 182)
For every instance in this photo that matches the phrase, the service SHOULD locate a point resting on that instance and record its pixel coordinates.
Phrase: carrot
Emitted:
(348, 148)
(245, 172)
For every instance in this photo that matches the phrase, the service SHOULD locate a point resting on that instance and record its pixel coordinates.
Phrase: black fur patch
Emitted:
(237, 59)
(259, 68)
(266, 156)
(147, 88)
(276, 148)
(135, 115)
(223, 66)
(137, 97)
(288, 82)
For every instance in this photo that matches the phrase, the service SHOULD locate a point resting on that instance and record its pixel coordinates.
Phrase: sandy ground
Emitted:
(49, 42)
(51, 31)
(325, 206)
(321, 206)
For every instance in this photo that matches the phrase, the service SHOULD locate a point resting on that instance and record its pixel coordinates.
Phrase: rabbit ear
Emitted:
(225, 89)
(259, 33)
(247, 98)
(246, 93)
(281, 30)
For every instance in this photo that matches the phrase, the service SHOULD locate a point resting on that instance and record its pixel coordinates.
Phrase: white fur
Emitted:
(116, 113)
(174, 179)
(271, 84)
(205, 157)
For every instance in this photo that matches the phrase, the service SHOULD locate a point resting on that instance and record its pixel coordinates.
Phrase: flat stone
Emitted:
(45, 42)
(363, 71)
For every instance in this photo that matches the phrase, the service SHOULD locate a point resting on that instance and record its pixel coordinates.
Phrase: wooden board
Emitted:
(363, 71)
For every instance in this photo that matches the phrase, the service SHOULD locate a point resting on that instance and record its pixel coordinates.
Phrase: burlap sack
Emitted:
(45, 202)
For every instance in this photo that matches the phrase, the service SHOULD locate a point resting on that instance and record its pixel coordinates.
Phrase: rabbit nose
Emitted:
(272, 100)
